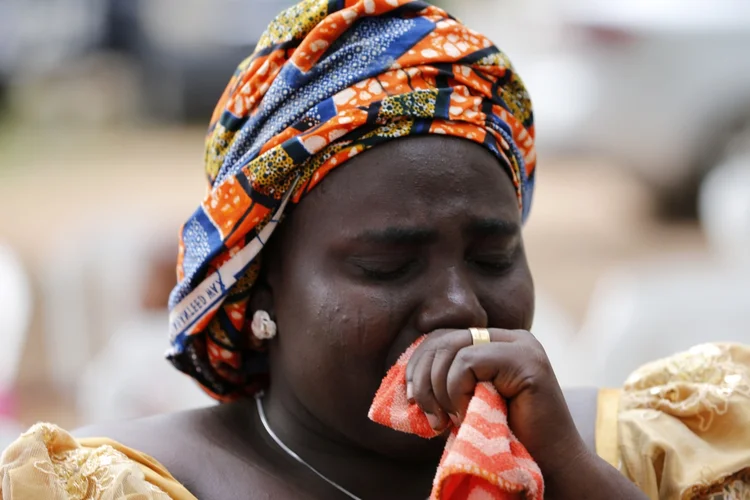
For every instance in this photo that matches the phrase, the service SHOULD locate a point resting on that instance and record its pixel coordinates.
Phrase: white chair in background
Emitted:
(649, 312)
(724, 210)
(105, 349)
(90, 287)
(130, 377)
(16, 301)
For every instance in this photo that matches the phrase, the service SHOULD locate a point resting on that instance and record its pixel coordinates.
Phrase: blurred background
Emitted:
(639, 237)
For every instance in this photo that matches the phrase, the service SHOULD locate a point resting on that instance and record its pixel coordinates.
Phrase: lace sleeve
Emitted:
(684, 429)
(46, 463)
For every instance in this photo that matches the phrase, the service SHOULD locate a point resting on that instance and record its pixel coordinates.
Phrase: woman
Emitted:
(418, 234)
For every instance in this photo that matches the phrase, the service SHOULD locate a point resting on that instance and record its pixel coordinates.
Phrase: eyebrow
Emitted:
(399, 236)
(492, 227)
(422, 236)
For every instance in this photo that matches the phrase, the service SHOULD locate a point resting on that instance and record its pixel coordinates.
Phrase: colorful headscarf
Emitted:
(328, 80)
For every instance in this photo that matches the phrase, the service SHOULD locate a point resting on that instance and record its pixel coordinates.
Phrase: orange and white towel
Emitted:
(482, 458)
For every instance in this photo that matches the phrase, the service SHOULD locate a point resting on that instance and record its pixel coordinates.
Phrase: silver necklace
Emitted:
(280, 443)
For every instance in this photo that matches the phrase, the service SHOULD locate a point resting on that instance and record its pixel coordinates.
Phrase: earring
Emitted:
(263, 326)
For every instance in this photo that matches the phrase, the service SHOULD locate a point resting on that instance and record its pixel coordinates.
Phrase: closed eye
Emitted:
(382, 271)
(495, 263)
(493, 266)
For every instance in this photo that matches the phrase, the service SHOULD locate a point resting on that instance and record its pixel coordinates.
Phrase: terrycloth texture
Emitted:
(482, 458)
(328, 80)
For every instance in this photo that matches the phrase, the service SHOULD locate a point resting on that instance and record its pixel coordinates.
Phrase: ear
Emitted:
(260, 328)
(261, 298)
(269, 274)
(262, 293)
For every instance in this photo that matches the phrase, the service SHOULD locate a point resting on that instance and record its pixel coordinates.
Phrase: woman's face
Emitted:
(416, 235)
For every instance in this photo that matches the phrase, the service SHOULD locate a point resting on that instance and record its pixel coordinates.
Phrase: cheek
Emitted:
(332, 330)
(334, 325)
(510, 304)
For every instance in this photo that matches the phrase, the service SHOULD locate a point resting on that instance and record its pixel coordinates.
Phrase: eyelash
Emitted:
(391, 275)
(494, 267)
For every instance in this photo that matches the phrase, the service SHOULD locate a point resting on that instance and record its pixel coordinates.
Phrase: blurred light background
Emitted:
(639, 237)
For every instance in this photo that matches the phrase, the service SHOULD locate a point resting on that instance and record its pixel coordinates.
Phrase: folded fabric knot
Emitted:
(482, 458)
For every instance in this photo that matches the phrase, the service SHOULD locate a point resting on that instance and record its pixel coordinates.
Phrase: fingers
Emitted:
(439, 379)
(426, 375)
(444, 371)
(423, 393)
(496, 363)
(410, 372)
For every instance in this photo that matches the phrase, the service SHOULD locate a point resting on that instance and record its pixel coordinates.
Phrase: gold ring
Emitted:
(480, 336)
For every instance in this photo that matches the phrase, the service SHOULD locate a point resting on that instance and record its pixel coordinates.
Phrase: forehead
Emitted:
(412, 181)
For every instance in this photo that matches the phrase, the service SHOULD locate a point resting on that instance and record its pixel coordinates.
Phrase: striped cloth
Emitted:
(483, 460)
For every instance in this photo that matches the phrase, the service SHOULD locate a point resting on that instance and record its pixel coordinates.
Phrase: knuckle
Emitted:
(536, 374)
(443, 352)
(528, 382)
(534, 350)
(465, 358)
(423, 395)
(528, 338)
(540, 359)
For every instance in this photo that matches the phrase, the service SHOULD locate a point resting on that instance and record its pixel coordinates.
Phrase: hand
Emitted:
(441, 377)
(446, 367)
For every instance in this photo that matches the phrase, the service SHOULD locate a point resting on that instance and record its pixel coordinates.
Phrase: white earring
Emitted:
(263, 326)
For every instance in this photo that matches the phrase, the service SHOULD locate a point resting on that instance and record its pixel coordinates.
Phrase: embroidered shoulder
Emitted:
(696, 384)
(683, 429)
(47, 463)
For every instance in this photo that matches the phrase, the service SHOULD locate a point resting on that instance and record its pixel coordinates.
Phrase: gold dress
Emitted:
(679, 428)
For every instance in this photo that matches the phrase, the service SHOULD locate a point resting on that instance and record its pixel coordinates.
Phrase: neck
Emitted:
(362, 472)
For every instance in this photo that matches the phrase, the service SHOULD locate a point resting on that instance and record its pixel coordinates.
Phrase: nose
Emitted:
(451, 303)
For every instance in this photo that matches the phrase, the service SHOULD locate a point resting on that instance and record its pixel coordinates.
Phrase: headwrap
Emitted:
(328, 80)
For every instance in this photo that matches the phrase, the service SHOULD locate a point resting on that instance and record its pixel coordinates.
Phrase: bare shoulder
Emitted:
(201, 449)
(149, 434)
(198, 448)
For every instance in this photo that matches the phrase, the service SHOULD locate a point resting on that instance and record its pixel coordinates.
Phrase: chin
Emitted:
(401, 446)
